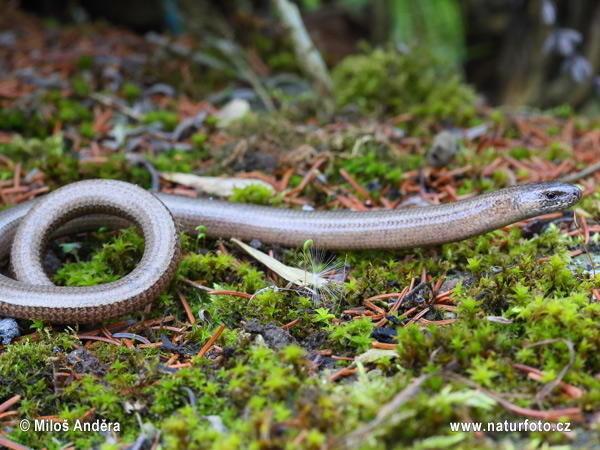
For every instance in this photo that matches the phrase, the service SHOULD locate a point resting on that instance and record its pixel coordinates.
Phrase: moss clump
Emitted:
(117, 258)
(254, 193)
(167, 118)
(178, 160)
(25, 371)
(388, 82)
(369, 166)
(356, 333)
(81, 86)
(85, 62)
(72, 111)
(21, 121)
(33, 149)
(131, 91)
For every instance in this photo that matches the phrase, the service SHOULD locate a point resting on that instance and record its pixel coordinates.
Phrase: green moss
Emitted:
(389, 82)
(34, 149)
(355, 334)
(71, 111)
(131, 91)
(259, 386)
(85, 62)
(117, 258)
(562, 111)
(180, 161)
(168, 119)
(25, 371)
(81, 86)
(198, 139)
(372, 166)
(558, 150)
(87, 130)
(29, 124)
(270, 398)
(254, 193)
(520, 153)
(497, 116)
(323, 315)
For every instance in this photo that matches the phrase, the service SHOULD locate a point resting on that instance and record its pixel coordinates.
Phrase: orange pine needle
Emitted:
(357, 186)
(187, 308)
(211, 341)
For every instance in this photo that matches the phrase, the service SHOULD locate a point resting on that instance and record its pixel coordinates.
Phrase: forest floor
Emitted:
(502, 328)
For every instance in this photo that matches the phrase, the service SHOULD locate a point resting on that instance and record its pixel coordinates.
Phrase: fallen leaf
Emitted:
(212, 185)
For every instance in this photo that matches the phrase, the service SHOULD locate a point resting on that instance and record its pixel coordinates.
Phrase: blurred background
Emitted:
(540, 53)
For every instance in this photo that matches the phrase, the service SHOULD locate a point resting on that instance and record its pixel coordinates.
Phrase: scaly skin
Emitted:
(35, 297)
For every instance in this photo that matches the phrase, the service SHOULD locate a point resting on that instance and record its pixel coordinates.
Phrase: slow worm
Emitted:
(35, 297)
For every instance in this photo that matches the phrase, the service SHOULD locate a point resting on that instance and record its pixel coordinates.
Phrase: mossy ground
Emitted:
(517, 287)
(269, 398)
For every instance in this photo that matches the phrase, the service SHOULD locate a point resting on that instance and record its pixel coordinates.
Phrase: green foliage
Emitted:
(434, 24)
(497, 116)
(29, 124)
(259, 385)
(179, 160)
(87, 130)
(117, 258)
(85, 62)
(72, 111)
(198, 139)
(311, 5)
(355, 334)
(267, 398)
(482, 373)
(389, 82)
(558, 150)
(34, 149)
(474, 265)
(81, 86)
(323, 315)
(24, 370)
(520, 153)
(131, 91)
(370, 165)
(167, 118)
(212, 265)
(562, 111)
(254, 193)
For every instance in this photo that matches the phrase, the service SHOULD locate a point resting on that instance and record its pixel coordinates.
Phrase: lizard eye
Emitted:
(551, 195)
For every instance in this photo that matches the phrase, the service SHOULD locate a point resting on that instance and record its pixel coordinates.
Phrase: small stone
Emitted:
(9, 329)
